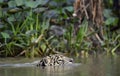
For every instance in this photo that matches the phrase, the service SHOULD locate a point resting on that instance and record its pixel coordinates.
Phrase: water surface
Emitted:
(93, 65)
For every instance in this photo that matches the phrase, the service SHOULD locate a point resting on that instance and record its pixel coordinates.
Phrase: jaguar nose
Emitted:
(71, 60)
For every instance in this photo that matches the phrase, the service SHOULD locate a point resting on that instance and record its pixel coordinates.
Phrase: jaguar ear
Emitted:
(43, 62)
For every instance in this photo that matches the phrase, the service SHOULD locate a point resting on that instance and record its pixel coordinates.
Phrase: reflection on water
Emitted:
(99, 65)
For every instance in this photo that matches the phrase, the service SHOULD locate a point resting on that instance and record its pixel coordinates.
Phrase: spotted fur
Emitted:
(54, 60)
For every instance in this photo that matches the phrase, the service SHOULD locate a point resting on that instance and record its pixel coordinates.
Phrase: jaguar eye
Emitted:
(60, 60)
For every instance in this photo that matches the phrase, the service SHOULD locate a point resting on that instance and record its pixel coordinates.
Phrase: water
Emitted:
(99, 65)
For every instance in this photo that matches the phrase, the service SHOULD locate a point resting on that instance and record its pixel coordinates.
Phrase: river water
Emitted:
(93, 65)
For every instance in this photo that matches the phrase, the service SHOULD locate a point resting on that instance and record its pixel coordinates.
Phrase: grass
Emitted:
(29, 38)
(25, 37)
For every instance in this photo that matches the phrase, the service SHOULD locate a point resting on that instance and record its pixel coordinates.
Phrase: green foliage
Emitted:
(110, 19)
(25, 36)
(25, 29)
(1, 1)
(82, 32)
(11, 4)
(5, 35)
(20, 2)
(27, 3)
(76, 42)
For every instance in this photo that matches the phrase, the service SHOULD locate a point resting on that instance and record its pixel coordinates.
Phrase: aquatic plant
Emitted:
(41, 27)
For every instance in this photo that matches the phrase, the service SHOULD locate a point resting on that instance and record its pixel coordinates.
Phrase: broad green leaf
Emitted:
(69, 8)
(1, 26)
(31, 4)
(1, 1)
(11, 18)
(51, 14)
(107, 13)
(5, 35)
(116, 21)
(41, 9)
(109, 21)
(12, 4)
(42, 2)
(20, 2)
(53, 3)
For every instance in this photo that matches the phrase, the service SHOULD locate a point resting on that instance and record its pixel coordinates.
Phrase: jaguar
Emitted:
(55, 60)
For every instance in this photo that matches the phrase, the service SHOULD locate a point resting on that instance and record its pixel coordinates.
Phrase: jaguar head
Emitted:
(64, 60)
(54, 60)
